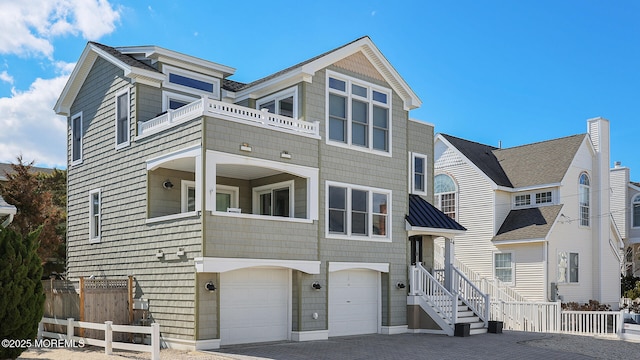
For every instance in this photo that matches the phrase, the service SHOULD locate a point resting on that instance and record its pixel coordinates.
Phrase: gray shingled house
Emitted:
(290, 207)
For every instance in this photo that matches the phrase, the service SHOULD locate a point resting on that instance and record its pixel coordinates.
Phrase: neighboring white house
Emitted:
(537, 216)
(625, 207)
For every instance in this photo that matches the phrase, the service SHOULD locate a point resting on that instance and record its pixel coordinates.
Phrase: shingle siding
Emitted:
(128, 245)
(131, 195)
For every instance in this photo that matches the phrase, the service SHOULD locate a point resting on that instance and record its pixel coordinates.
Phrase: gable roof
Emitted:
(483, 157)
(539, 163)
(528, 224)
(306, 69)
(132, 68)
(424, 215)
(123, 57)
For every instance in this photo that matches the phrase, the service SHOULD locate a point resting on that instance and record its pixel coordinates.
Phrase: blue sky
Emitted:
(488, 71)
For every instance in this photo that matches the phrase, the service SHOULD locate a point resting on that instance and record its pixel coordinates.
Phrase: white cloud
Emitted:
(28, 27)
(4, 76)
(30, 127)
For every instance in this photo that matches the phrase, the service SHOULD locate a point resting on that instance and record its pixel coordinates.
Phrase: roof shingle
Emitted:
(525, 224)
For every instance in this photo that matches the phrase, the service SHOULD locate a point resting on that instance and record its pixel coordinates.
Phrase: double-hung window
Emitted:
(503, 267)
(76, 138)
(122, 119)
(357, 212)
(282, 103)
(419, 173)
(568, 267)
(358, 113)
(95, 213)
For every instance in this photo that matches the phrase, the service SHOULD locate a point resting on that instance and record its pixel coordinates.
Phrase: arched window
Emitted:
(445, 195)
(636, 211)
(584, 199)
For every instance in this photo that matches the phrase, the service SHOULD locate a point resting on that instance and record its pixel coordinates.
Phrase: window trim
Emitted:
(292, 91)
(93, 220)
(635, 201)
(568, 274)
(258, 190)
(370, 213)
(73, 131)
(513, 267)
(349, 80)
(584, 221)
(437, 197)
(412, 175)
(126, 143)
(168, 95)
(234, 191)
(533, 199)
(185, 185)
(168, 70)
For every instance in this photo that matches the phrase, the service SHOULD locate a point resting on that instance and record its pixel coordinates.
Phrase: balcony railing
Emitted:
(231, 112)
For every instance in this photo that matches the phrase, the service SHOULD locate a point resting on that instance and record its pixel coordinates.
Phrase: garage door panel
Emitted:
(254, 305)
(353, 302)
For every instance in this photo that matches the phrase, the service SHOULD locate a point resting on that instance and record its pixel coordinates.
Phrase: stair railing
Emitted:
(434, 293)
(471, 295)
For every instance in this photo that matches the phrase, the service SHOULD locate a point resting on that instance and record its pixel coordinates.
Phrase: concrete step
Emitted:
(477, 331)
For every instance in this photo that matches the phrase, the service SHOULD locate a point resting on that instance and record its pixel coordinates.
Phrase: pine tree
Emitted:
(21, 294)
(41, 202)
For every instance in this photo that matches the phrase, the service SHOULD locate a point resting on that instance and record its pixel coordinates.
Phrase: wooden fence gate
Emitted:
(90, 300)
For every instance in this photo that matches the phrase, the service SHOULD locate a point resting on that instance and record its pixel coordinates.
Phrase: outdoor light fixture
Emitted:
(167, 184)
(210, 286)
(180, 252)
(400, 285)
(285, 155)
(245, 147)
(160, 254)
(316, 285)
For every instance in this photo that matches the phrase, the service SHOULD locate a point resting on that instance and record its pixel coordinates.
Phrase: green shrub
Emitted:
(21, 293)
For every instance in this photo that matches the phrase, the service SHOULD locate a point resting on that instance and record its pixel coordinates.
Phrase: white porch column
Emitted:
(449, 256)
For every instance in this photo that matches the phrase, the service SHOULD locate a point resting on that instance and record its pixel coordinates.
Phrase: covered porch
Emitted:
(439, 299)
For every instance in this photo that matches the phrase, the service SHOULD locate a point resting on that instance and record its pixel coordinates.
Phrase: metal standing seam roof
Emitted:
(423, 214)
(531, 223)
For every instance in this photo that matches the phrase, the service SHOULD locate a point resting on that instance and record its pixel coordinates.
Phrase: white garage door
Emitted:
(254, 305)
(353, 302)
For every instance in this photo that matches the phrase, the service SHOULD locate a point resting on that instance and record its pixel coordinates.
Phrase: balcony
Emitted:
(230, 112)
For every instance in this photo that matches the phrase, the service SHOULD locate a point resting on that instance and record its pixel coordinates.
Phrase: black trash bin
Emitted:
(462, 329)
(495, 327)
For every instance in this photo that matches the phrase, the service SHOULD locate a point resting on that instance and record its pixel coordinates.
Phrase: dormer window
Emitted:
(531, 199)
(191, 83)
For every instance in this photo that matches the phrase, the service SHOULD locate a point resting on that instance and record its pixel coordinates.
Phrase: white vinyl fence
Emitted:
(549, 317)
(108, 344)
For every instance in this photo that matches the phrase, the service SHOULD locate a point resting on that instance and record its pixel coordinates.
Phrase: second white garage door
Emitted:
(254, 305)
(353, 302)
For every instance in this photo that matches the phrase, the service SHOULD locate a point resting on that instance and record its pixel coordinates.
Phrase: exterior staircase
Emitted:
(464, 303)
(466, 315)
